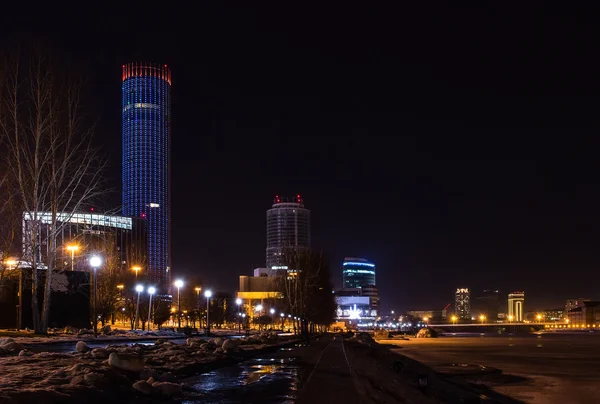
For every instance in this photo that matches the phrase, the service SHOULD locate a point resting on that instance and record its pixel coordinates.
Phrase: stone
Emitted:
(70, 330)
(151, 380)
(218, 351)
(78, 367)
(93, 378)
(77, 380)
(426, 333)
(12, 346)
(148, 374)
(84, 331)
(81, 347)
(6, 341)
(168, 389)
(143, 387)
(106, 330)
(167, 377)
(161, 341)
(100, 353)
(218, 342)
(24, 352)
(229, 344)
(127, 362)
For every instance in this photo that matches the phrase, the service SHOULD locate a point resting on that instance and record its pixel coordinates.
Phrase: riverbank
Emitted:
(121, 373)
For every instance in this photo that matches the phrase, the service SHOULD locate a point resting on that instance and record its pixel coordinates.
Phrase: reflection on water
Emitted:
(266, 380)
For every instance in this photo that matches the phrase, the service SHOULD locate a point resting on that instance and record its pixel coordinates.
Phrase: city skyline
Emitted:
(443, 175)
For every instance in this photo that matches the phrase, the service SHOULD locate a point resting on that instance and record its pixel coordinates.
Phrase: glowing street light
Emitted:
(151, 291)
(137, 269)
(95, 263)
(139, 289)
(178, 284)
(238, 301)
(539, 317)
(510, 318)
(482, 318)
(207, 294)
(453, 318)
(72, 248)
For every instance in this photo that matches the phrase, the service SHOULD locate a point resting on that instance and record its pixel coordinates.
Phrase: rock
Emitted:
(131, 363)
(167, 377)
(75, 368)
(219, 342)
(148, 374)
(105, 330)
(100, 353)
(427, 333)
(77, 380)
(12, 346)
(168, 389)
(229, 344)
(4, 341)
(218, 350)
(70, 330)
(93, 378)
(151, 380)
(81, 347)
(161, 341)
(23, 352)
(143, 387)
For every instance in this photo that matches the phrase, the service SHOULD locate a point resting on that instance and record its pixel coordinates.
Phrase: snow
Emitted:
(45, 376)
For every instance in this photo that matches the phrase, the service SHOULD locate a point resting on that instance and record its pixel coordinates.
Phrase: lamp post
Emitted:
(178, 285)
(198, 289)
(136, 268)
(272, 311)
(482, 318)
(139, 289)
(282, 320)
(259, 308)
(453, 318)
(72, 248)
(151, 291)
(207, 294)
(238, 301)
(95, 262)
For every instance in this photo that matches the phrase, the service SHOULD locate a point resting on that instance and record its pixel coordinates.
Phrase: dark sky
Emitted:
(453, 146)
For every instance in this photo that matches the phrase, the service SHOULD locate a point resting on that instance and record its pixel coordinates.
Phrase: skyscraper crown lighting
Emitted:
(288, 229)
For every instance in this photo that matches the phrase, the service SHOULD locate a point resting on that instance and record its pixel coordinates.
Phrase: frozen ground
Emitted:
(546, 368)
(118, 373)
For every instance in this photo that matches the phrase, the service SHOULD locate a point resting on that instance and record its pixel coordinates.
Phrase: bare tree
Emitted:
(50, 158)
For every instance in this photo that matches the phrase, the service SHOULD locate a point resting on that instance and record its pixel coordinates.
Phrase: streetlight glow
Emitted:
(207, 294)
(95, 261)
(136, 268)
(272, 311)
(238, 301)
(258, 307)
(178, 283)
(139, 288)
(152, 290)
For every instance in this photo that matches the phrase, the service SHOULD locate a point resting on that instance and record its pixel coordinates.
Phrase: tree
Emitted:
(49, 157)
(306, 287)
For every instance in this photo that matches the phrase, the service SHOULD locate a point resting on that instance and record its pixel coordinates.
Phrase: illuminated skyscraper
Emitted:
(462, 303)
(146, 127)
(515, 306)
(288, 229)
(357, 273)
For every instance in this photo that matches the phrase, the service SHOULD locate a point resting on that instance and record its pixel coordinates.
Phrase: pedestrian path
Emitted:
(331, 378)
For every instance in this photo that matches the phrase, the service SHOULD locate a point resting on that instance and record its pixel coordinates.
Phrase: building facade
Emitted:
(288, 230)
(486, 303)
(516, 300)
(585, 315)
(357, 273)
(462, 303)
(146, 129)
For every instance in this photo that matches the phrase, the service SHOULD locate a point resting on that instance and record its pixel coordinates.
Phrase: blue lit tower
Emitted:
(146, 99)
(357, 273)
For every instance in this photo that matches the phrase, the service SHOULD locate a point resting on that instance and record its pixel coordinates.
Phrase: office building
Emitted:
(571, 304)
(486, 303)
(585, 315)
(146, 128)
(288, 230)
(462, 303)
(516, 301)
(357, 273)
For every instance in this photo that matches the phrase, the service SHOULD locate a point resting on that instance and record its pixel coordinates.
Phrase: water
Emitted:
(272, 379)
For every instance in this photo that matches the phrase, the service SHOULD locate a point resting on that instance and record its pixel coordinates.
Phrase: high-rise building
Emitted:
(462, 303)
(288, 230)
(515, 306)
(146, 127)
(357, 273)
(486, 303)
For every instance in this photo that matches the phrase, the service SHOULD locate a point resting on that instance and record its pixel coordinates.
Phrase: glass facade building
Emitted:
(288, 228)
(357, 273)
(146, 126)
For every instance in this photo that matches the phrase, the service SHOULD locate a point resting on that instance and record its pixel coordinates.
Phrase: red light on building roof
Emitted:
(91, 209)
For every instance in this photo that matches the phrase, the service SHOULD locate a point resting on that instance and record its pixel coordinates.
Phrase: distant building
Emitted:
(357, 304)
(357, 273)
(462, 303)
(571, 304)
(550, 315)
(434, 315)
(288, 230)
(516, 301)
(586, 314)
(487, 303)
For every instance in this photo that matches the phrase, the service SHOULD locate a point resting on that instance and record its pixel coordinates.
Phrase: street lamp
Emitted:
(282, 315)
(453, 318)
(539, 318)
(151, 291)
(207, 294)
(238, 301)
(139, 289)
(482, 318)
(136, 268)
(72, 248)
(272, 311)
(95, 262)
(510, 318)
(178, 285)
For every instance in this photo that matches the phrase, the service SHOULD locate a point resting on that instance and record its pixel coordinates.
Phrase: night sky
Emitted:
(452, 146)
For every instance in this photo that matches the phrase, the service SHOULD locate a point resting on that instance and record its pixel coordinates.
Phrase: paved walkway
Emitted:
(331, 378)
